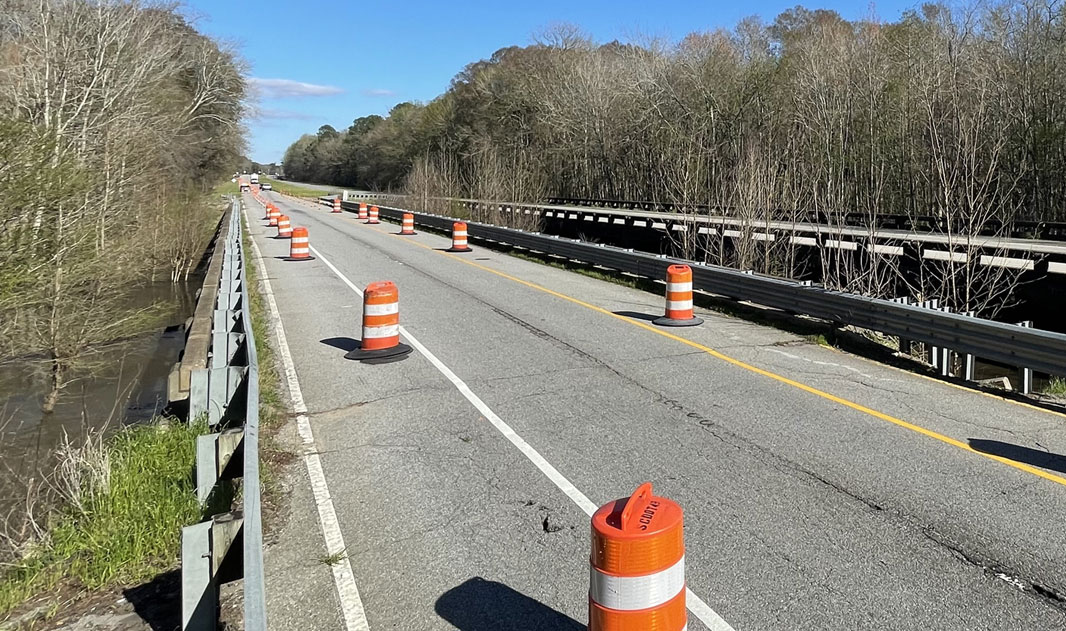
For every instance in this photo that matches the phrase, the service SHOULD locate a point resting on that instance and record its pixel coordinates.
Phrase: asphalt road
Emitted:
(821, 490)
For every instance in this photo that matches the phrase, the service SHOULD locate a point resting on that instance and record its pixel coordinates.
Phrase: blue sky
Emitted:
(316, 62)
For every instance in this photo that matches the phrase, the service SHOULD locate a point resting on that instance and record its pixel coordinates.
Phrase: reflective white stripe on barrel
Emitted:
(630, 593)
(375, 332)
(679, 286)
(299, 239)
(299, 251)
(380, 310)
(678, 305)
(459, 233)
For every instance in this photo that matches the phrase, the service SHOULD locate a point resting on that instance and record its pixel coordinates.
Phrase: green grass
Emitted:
(291, 189)
(227, 188)
(272, 409)
(133, 494)
(335, 558)
(818, 339)
(1056, 387)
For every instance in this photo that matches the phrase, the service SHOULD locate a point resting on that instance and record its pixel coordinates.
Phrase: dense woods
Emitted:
(116, 120)
(951, 112)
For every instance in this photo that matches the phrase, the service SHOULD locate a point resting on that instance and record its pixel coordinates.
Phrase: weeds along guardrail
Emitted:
(1008, 344)
(228, 545)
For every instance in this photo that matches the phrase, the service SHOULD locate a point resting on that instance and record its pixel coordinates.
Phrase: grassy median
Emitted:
(298, 191)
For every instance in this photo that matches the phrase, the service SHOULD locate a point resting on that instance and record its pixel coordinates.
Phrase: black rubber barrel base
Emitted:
(466, 249)
(302, 258)
(380, 356)
(665, 321)
(407, 234)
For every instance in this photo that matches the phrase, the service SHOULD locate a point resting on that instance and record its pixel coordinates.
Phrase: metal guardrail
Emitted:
(801, 233)
(1009, 344)
(226, 392)
(1024, 229)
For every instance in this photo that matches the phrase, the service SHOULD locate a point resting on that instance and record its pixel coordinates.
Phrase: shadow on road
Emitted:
(1017, 453)
(481, 605)
(346, 344)
(637, 316)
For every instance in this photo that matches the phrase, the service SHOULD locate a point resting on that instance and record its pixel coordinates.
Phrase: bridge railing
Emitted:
(227, 545)
(1008, 344)
(800, 232)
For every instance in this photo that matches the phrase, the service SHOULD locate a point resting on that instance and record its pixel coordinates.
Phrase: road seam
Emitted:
(696, 605)
(343, 576)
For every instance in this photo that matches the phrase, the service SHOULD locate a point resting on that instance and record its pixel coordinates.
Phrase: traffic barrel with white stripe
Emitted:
(408, 225)
(336, 204)
(267, 207)
(373, 218)
(362, 211)
(274, 214)
(637, 582)
(284, 227)
(678, 298)
(300, 246)
(381, 325)
(459, 238)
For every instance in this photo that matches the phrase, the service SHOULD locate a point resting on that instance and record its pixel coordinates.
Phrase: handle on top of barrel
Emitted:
(636, 503)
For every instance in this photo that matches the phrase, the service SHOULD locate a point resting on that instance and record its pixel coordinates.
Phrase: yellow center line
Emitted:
(755, 369)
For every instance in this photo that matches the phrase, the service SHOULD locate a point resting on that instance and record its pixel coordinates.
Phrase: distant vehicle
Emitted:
(254, 178)
(266, 187)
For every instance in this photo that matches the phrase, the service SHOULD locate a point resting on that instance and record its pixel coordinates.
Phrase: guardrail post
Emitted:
(904, 343)
(1027, 373)
(932, 356)
(968, 368)
(205, 563)
(199, 594)
(216, 457)
(945, 354)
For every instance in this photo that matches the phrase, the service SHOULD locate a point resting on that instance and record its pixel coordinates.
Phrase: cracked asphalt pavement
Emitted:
(802, 511)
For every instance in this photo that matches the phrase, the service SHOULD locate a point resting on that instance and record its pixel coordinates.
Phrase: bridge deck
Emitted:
(821, 490)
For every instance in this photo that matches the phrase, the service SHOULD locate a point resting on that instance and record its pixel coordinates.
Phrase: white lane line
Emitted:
(343, 576)
(700, 609)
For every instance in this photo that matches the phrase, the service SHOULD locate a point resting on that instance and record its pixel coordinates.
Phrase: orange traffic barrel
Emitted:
(381, 325)
(678, 298)
(459, 238)
(408, 225)
(300, 246)
(637, 582)
(274, 214)
(373, 218)
(267, 208)
(336, 204)
(284, 227)
(362, 211)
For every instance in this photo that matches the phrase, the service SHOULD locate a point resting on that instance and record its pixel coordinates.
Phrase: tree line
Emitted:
(116, 121)
(948, 109)
(954, 114)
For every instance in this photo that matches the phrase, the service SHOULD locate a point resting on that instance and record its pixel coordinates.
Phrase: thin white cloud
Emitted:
(378, 92)
(284, 88)
(271, 114)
